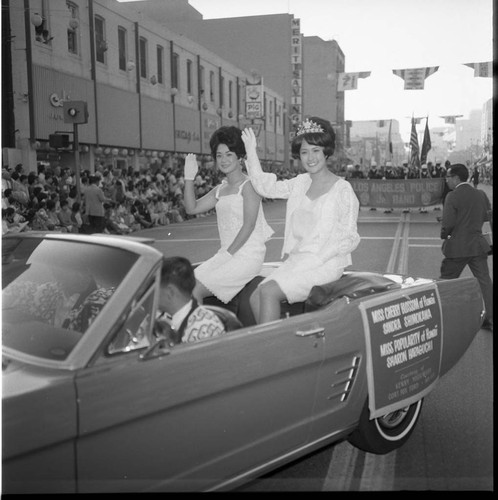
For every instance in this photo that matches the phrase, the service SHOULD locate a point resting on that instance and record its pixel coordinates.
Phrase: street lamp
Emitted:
(36, 19)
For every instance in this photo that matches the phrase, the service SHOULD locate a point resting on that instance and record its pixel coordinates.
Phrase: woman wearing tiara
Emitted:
(320, 221)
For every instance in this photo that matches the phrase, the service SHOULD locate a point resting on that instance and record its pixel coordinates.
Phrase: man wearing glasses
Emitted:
(464, 213)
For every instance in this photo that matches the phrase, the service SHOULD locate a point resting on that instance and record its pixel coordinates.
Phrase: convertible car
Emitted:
(95, 399)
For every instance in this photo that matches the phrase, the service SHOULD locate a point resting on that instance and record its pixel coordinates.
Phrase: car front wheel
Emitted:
(387, 433)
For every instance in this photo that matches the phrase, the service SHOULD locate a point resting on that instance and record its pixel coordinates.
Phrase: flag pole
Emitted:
(390, 142)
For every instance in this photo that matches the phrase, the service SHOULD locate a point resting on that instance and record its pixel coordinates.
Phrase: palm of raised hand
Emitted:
(191, 167)
(249, 139)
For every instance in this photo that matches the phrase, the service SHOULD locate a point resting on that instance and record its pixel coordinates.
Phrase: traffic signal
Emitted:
(75, 112)
(58, 140)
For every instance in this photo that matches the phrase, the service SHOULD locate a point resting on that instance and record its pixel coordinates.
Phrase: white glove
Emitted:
(191, 167)
(250, 141)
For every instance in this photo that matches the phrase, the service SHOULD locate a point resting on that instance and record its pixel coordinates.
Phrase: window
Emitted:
(143, 57)
(230, 94)
(174, 70)
(43, 268)
(202, 82)
(189, 76)
(160, 64)
(136, 332)
(122, 48)
(100, 41)
(211, 86)
(72, 30)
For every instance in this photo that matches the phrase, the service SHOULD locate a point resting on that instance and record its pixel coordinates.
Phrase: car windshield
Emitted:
(53, 290)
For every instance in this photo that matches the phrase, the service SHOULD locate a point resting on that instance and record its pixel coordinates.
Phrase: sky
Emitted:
(382, 35)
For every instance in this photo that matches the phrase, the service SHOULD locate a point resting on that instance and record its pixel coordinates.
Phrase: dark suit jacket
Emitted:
(465, 211)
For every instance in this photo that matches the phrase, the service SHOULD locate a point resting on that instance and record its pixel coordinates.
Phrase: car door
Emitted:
(342, 386)
(200, 413)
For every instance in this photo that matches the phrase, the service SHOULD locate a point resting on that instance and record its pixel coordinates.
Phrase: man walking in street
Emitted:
(464, 213)
(94, 205)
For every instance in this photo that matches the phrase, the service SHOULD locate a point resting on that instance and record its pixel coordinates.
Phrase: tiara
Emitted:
(308, 127)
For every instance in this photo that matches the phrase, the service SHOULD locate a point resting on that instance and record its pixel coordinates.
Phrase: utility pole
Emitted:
(76, 112)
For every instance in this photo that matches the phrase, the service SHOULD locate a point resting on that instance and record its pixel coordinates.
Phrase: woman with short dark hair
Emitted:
(320, 223)
(242, 226)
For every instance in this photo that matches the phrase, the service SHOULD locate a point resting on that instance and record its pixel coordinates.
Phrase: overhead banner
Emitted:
(415, 77)
(398, 193)
(451, 119)
(349, 81)
(482, 69)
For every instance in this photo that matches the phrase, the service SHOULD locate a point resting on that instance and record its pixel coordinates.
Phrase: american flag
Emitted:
(414, 157)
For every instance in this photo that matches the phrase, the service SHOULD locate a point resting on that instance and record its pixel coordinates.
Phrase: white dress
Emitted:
(320, 234)
(224, 275)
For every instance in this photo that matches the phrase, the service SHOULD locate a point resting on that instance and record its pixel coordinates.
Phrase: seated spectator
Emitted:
(76, 217)
(53, 221)
(40, 217)
(141, 214)
(12, 222)
(172, 213)
(6, 180)
(6, 196)
(114, 223)
(124, 211)
(64, 216)
(179, 206)
(156, 211)
(188, 321)
(20, 188)
(72, 196)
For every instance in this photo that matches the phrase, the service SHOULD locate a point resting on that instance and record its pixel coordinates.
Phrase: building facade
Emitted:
(152, 95)
(304, 70)
(370, 142)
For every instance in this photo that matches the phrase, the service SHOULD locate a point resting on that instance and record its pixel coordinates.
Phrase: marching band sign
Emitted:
(398, 193)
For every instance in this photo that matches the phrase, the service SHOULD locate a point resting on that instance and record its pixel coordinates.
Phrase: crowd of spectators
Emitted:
(47, 199)
(428, 170)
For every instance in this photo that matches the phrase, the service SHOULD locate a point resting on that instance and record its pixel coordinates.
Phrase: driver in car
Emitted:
(182, 319)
